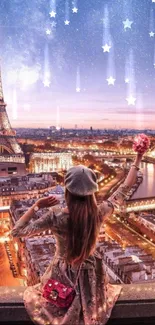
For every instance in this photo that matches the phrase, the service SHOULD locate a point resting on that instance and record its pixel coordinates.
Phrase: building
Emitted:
(12, 161)
(50, 162)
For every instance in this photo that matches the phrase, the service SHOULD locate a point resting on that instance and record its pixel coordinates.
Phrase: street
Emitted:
(126, 237)
(6, 276)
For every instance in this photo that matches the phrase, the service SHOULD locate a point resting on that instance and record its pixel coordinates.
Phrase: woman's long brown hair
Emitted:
(83, 226)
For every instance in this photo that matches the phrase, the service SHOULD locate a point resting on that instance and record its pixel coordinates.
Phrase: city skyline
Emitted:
(91, 64)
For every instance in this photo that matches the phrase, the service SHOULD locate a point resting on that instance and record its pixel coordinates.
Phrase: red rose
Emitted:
(141, 143)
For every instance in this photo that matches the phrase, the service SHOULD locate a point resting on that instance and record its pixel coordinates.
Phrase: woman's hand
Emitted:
(47, 202)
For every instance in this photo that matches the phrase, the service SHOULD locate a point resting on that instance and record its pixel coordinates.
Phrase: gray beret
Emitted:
(81, 181)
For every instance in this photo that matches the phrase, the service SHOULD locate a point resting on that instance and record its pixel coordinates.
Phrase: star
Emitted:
(111, 81)
(48, 31)
(67, 22)
(75, 10)
(127, 80)
(153, 1)
(46, 83)
(151, 34)
(52, 14)
(106, 48)
(131, 100)
(53, 24)
(127, 24)
(78, 89)
(154, 65)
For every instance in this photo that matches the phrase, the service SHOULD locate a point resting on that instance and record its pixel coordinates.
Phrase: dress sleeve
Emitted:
(118, 198)
(31, 228)
(115, 201)
(106, 208)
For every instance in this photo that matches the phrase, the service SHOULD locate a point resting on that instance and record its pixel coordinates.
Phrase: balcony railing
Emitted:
(136, 305)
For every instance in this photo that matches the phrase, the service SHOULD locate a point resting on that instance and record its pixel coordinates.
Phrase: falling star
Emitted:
(127, 71)
(46, 79)
(75, 6)
(46, 83)
(53, 8)
(111, 68)
(127, 24)
(127, 80)
(53, 24)
(151, 34)
(52, 14)
(130, 74)
(106, 48)
(131, 100)
(111, 81)
(106, 40)
(75, 10)
(48, 31)
(78, 81)
(67, 20)
(151, 27)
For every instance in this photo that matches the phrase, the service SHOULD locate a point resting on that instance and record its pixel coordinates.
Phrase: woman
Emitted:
(76, 229)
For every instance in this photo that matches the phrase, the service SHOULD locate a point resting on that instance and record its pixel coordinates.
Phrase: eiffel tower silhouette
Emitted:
(10, 151)
(8, 142)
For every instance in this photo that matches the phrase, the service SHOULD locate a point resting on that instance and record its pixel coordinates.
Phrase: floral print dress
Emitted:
(95, 297)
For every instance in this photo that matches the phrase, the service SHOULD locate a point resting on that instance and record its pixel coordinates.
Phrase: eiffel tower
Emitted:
(8, 142)
(10, 151)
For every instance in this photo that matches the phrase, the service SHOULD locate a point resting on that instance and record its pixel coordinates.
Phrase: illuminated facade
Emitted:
(11, 156)
(48, 162)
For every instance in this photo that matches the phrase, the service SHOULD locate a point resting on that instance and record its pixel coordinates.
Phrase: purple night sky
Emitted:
(89, 63)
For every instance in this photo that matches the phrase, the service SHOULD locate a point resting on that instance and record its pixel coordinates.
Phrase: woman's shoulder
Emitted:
(58, 211)
(61, 215)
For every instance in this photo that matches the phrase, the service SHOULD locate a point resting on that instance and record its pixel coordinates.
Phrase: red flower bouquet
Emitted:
(141, 143)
